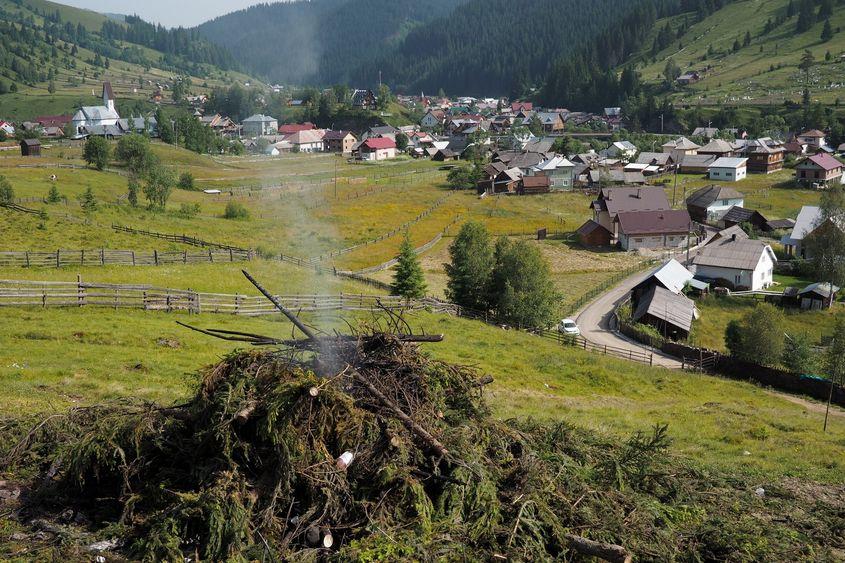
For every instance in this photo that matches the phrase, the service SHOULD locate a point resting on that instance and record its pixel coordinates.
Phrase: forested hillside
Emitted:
(320, 41)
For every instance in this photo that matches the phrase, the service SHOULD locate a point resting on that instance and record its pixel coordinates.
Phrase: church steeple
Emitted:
(108, 96)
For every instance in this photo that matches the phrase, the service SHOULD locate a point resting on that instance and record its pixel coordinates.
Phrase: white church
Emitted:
(97, 116)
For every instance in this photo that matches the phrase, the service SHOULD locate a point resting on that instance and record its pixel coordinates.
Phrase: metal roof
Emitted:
(735, 253)
(707, 195)
(729, 162)
(664, 221)
(808, 219)
(672, 275)
(675, 309)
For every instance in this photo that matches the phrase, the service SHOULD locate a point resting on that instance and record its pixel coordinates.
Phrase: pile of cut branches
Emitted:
(362, 447)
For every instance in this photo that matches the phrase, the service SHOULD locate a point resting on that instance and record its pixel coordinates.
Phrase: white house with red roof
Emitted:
(820, 169)
(7, 128)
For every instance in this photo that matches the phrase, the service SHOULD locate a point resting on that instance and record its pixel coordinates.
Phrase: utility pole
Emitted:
(661, 123)
(689, 233)
(335, 176)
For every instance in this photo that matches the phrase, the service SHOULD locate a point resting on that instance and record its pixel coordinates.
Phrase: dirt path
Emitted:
(811, 406)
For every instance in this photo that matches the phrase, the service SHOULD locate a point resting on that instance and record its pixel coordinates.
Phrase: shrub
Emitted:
(186, 181)
(96, 152)
(235, 210)
(7, 193)
(758, 336)
(188, 210)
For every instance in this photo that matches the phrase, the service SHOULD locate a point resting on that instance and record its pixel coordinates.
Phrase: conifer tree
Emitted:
(827, 32)
(53, 196)
(408, 281)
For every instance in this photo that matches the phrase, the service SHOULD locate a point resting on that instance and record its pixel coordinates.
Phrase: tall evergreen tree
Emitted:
(806, 16)
(827, 32)
(408, 280)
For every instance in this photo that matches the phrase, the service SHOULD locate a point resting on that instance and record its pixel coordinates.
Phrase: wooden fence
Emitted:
(20, 208)
(184, 239)
(110, 257)
(17, 293)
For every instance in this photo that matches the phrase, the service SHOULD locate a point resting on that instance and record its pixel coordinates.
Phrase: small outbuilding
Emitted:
(593, 234)
(670, 313)
(30, 147)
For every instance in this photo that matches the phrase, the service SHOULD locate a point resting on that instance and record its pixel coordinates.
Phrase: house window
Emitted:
(638, 240)
(737, 279)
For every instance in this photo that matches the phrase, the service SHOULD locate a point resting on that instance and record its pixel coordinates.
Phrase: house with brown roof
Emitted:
(310, 140)
(433, 118)
(736, 262)
(291, 128)
(668, 228)
(738, 215)
(820, 169)
(532, 185)
(680, 147)
(718, 148)
(614, 200)
(339, 141)
(593, 234)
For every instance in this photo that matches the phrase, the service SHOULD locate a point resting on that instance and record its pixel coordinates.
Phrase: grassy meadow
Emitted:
(53, 359)
(765, 71)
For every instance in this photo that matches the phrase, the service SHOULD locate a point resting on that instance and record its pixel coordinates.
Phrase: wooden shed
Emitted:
(30, 147)
(593, 234)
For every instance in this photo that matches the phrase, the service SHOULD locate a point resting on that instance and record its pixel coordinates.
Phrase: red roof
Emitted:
(290, 128)
(376, 143)
(53, 120)
(516, 107)
(812, 133)
(825, 161)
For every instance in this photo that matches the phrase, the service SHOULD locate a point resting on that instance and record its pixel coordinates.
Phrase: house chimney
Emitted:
(638, 193)
(733, 237)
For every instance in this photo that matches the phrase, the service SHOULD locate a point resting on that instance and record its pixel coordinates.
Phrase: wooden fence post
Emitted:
(185, 256)
(133, 257)
(82, 257)
(80, 291)
(26, 255)
(210, 256)
(58, 259)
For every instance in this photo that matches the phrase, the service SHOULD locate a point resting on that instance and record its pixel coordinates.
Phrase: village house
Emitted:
(615, 200)
(143, 125)
(740, 263)
(339, 141)
(728, 169)
(764, 156)
(819, 170)
(688, 78)
(808, 224)
(364, 99)
(624, 150)
(309, 140)
(532, 185)
(387, 131)
(679, 148)
(56, 121)
(695, 163)
(814, 297)
(433, 118)
(657, 162)
(7, 128)
(92, 116)
(671, 314)
(260, 124)
(652, 229)
(218, 123)
(517, 107)
(558, 169)
(813, 140)
(718, 148)
(375, 148)
(551, 122)
(710, 203)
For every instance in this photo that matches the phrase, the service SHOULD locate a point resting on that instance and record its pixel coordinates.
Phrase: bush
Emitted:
(186, 181)
(235, 210)
(188, 210)
(96, 152)
(7, 193)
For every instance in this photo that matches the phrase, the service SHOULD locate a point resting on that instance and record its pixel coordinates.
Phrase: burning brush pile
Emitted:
(361, 447)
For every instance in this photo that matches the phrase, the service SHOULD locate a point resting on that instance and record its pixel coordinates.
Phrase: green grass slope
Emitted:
(765, 71)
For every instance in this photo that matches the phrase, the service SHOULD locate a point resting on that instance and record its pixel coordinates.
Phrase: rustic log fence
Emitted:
(184, 239)
(110, 257)
(44, 294)
(20, 208)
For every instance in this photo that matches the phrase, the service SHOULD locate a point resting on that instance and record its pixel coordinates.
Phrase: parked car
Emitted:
(568, 326)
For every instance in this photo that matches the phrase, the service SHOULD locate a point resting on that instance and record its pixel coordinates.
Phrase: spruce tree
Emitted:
(87, 201)
(53, 196)
(827, 32)
(408, 281)
(132, 192)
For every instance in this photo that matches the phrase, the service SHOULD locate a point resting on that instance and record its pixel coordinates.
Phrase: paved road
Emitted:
(594, 322)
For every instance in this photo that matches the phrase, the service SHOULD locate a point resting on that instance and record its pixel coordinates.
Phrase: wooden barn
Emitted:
(593, 234)
(30, 147)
